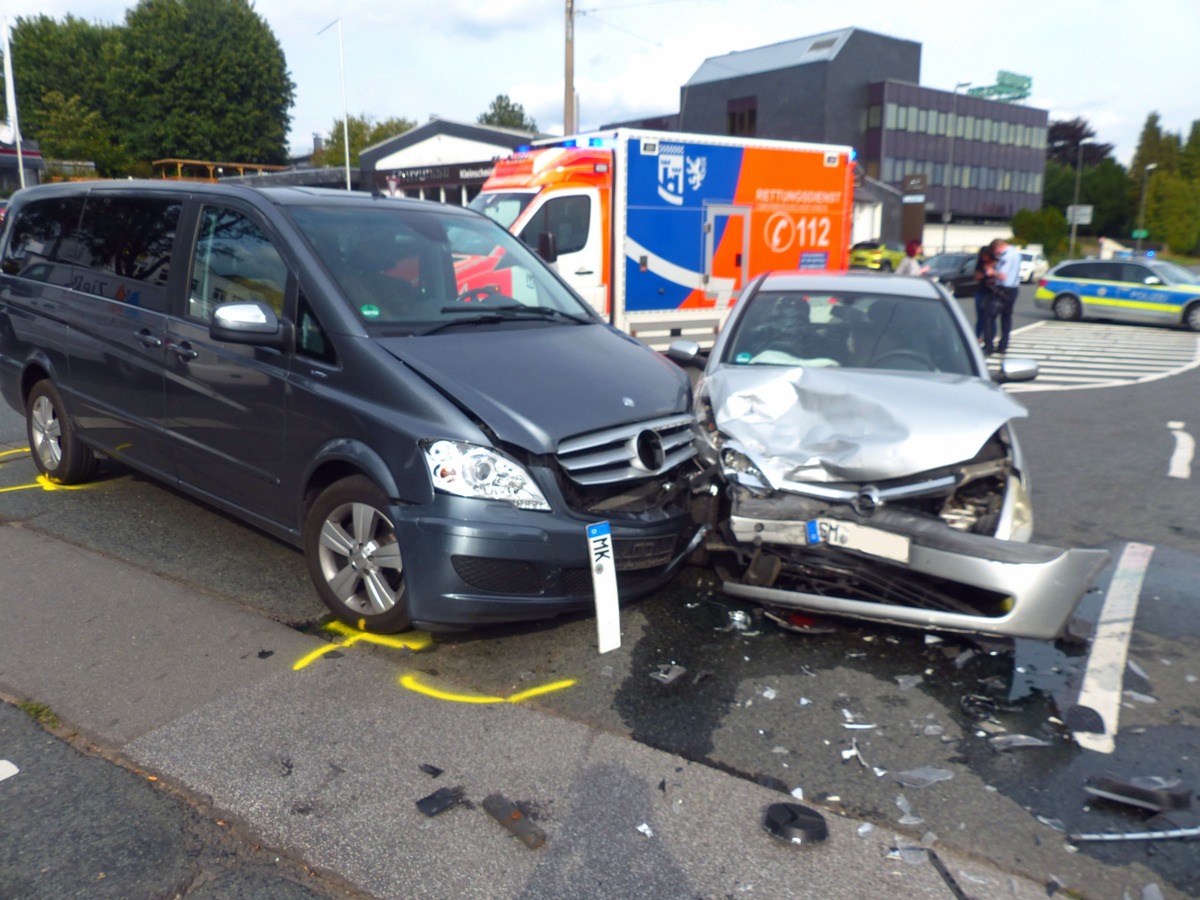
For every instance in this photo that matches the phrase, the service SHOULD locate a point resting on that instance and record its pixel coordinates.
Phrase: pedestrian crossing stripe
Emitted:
(1082, 355)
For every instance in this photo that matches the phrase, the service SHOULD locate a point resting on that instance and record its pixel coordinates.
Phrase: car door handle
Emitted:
(184, 351)
(584, 272)
(146, 339)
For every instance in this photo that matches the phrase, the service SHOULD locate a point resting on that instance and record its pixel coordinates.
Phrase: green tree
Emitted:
(503, 113)
(200, 79)
(71, 131)
(364, 132)
(1173, 211)
(1069, 140)
(66, 57)
(1189, 157)
(1048, 227)
(1105, 187)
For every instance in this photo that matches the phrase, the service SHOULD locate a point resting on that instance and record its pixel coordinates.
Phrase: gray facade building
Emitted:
(985, 158)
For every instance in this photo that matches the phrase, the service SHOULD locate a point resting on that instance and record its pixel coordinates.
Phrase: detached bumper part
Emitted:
(1043, 584)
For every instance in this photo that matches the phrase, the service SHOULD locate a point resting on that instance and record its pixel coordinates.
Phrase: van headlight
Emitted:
(469, 470)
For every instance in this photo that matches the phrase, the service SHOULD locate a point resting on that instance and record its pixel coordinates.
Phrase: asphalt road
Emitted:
(839, 712)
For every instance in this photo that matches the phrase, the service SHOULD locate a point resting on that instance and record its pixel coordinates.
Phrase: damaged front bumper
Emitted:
(904, 569)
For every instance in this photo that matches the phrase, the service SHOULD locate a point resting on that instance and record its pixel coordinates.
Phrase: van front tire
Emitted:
(354, 559)
(53, 441)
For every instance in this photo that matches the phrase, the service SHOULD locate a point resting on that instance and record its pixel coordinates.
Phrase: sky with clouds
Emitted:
(1111, 62)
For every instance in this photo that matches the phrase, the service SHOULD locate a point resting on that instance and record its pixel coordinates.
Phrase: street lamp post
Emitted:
(1142, 212)
(345, 113)
(1075, 203)
(950, 160)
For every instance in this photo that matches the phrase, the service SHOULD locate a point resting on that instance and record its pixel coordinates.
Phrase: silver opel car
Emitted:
(869, 464)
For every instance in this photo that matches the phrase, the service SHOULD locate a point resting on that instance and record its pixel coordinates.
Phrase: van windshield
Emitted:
(417, 270)
(503, 206)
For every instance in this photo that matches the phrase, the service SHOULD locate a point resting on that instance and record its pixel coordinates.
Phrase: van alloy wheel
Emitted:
(57, 450)
(354, 558)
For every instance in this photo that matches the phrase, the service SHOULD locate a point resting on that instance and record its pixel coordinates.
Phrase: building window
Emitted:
(902, 118)
(922, 120)
(968, 127)
(874, 117)
(742, 116)
(890, 117)
(912, 119)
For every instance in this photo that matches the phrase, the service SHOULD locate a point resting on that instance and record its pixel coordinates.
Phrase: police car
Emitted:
(1134, 290)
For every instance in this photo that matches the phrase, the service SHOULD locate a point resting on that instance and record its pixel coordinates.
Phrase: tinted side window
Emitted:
(126, 243)
(1084, 270)
(42, 240)
(1135, 273)
(234, 261)
(311, 339)
(567, 218)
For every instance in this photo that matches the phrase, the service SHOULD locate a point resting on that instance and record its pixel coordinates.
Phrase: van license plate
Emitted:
(862, 538)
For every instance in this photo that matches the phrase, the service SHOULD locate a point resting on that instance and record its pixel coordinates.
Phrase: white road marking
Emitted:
(1185, 450)
(7, 769)
(1102, 682)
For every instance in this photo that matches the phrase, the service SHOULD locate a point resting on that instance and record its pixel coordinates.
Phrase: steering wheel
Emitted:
(917, 361)
(479, 294)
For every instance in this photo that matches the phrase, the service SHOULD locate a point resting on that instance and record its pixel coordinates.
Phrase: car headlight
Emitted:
(1022, 510)
(469, 470)
(737, 466)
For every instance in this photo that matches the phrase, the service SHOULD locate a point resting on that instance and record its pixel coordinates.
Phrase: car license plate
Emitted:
(862, 538)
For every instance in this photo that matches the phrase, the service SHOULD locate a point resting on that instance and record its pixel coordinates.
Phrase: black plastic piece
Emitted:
(441, 800)
(432, 771)
(795, 823)
(507, 814)
(1149, 793)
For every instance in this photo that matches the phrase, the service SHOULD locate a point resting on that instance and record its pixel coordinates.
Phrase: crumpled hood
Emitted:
(534, 386)
(850, 425)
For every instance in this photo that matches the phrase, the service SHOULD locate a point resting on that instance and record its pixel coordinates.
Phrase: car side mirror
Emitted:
(1017, 370)
(686, 353)
(250, 322)
(1154, 279)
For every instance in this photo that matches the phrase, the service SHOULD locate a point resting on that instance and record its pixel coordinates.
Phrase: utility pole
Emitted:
(569, 74)
(1075, 203)
(1142, 214)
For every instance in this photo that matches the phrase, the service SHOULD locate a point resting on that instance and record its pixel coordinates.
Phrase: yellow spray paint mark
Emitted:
(413, 640)
(46, 485)
(413, 684)
(20, 450)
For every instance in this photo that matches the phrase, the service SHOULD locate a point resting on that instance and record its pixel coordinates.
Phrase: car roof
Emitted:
(867, 282)
(290, 195)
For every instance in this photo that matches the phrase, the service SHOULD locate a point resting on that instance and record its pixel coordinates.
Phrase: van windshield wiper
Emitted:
(509, 312)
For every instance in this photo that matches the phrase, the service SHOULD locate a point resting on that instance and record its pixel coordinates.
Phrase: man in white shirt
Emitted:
(1008, 271)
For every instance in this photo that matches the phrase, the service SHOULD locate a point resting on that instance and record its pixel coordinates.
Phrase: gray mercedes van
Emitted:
(401, 388)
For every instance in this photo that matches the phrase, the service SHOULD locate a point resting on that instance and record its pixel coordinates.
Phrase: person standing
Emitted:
(985, 286)
(1008, 277)
(911, 265)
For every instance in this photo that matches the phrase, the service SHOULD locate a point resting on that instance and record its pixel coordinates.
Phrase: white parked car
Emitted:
(1033, 265)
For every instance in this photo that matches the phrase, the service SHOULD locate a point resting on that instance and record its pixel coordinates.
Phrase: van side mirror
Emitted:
(250, 322)
(547, 247)
(686, 353)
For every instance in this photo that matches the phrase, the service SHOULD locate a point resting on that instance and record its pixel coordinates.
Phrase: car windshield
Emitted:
(1174, 274)
(867, 331)
(418, 270)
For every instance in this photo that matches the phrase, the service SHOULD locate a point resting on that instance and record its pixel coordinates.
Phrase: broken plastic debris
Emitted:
(1148, 792)
(865, 828)
(854, 753)
(798, 793)
(504, 812)
(667, 672)
(932, 639)
(1002, 742)
(789, 620)
(646, 830)
(432, 771)
(738, 620)
(804, 701)
(770, 693)
(441, 800)
(923, 777)
(795, 824)
(908, 682)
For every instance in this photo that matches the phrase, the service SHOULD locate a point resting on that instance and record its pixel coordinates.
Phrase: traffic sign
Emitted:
(1139, 233)
(1080, 215)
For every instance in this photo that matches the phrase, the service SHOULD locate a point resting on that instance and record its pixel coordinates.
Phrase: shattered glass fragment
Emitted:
(1003, 742)
(923, 777)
